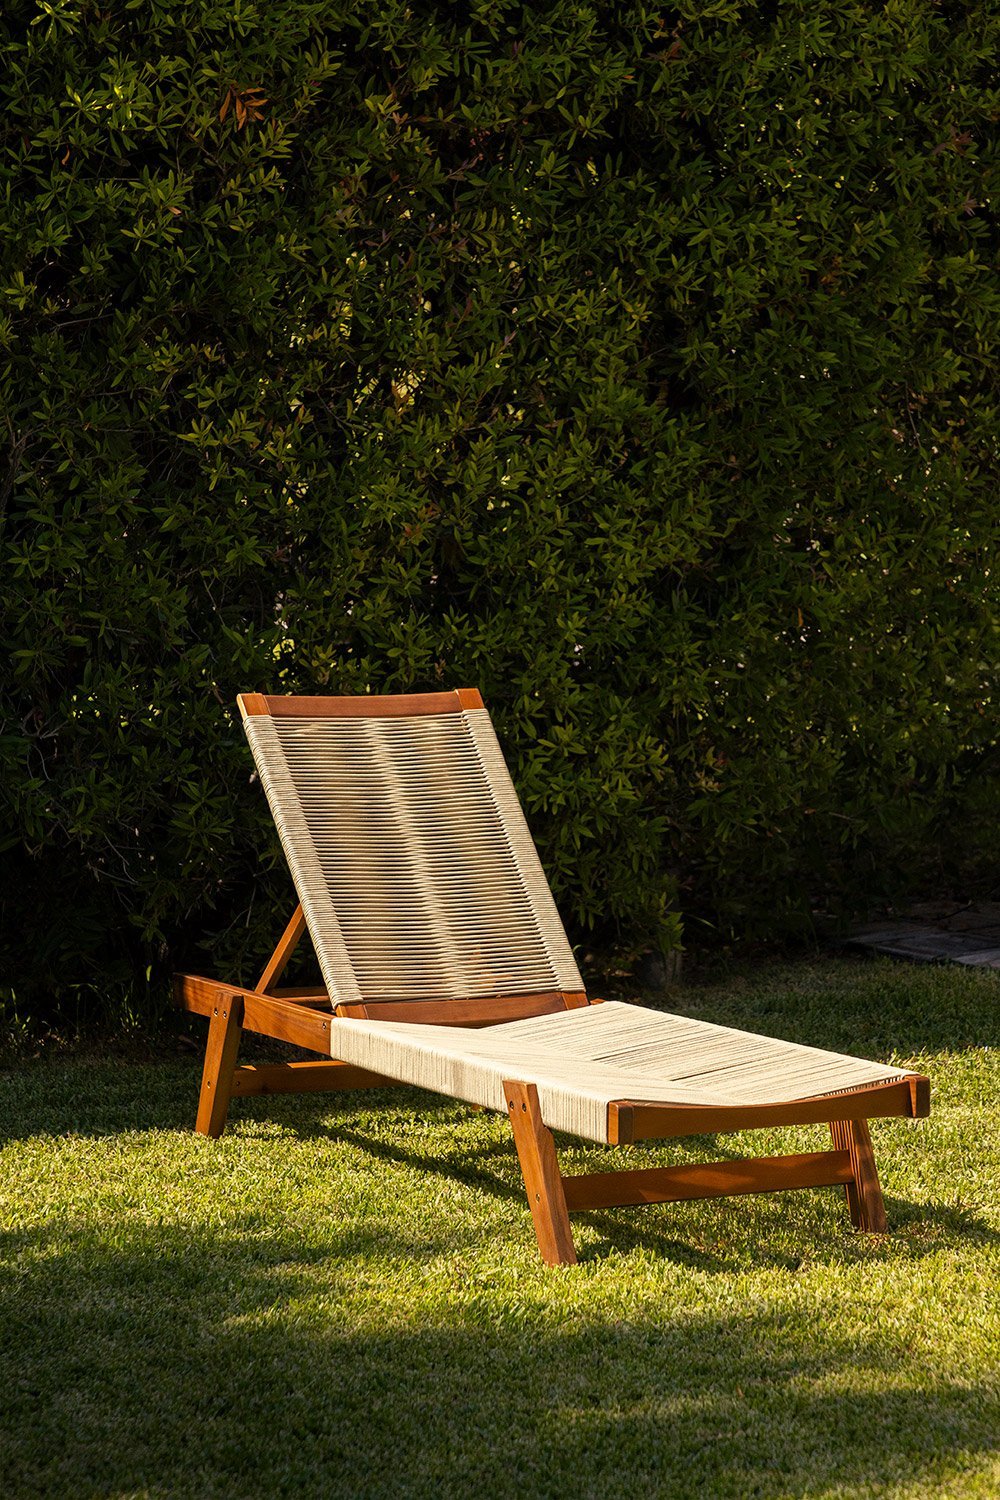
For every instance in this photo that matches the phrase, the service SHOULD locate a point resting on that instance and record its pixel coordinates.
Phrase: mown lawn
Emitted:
(342, 1297)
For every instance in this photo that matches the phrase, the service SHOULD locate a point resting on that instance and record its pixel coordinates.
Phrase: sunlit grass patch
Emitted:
(342, 1296)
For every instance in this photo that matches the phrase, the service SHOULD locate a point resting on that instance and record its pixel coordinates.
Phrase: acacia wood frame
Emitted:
(304, 1016)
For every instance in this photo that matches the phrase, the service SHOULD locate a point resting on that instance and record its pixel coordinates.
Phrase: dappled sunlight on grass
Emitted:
(342, 1296)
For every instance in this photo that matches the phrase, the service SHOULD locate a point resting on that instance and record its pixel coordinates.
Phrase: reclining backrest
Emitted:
(417, 875)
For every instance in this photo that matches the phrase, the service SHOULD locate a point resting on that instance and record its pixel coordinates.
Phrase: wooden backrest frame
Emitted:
(361, 706)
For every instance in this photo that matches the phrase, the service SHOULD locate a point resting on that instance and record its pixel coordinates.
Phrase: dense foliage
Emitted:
(635, 363)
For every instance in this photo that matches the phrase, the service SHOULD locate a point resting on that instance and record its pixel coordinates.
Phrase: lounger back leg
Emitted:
(536, 1152)
(224, 1026)
(864, 1194)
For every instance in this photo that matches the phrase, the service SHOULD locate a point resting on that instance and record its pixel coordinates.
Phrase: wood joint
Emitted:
(224, 1027)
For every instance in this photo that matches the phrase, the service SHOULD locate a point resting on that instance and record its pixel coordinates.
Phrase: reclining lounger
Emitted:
(445, 965)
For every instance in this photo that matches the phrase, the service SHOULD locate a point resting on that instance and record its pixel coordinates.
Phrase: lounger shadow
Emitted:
(445, 965)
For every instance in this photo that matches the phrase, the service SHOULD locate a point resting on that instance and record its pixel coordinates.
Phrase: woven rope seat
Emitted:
(582, 1060)
(445, 965)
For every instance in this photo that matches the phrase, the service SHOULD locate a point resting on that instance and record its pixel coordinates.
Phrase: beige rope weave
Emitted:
(582, 1060)
(414, 865)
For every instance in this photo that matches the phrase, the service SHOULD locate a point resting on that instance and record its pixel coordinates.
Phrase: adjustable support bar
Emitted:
(286, 946)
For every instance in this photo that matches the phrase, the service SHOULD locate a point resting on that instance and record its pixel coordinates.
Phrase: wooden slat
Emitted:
(358, 706)
(286, 1022)
(540, 1168)
(765, 1174)
(480, 1012)
(630, 1120)
(306, 1077)
(287, 944)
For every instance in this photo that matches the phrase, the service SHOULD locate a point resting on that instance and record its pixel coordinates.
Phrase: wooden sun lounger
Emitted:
(445, 965)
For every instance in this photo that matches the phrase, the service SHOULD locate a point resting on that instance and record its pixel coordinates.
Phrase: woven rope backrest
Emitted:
(417, 874)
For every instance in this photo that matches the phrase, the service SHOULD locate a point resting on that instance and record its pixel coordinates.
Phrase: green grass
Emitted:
(342, 1297)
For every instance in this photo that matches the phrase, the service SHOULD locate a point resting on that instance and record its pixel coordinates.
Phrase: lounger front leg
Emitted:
(224, 1027)
(536, 1152)
(864, 1194)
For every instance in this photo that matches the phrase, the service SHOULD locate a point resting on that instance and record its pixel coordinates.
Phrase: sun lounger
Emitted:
(445, 965)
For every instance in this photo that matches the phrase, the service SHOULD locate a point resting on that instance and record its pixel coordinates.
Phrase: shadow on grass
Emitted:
(645, 1227)
(96, 1100)
(169, 1362)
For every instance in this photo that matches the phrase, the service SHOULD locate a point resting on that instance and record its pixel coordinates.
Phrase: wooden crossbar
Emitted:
(764, 1174)
(478, 1012)
(305, 1078)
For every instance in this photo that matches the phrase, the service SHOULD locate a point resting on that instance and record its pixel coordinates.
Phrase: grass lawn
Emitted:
(342, 1297)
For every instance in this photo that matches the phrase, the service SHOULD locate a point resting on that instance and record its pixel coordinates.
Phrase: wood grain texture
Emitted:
(630, 1120)
(477, 1012)
(542, 1180)
(765, 1174)
(864, 1191)
(312, 994)
(220, 1061)
(305, 1078)
(920, 1096)
(359, 706)
(286, 1021)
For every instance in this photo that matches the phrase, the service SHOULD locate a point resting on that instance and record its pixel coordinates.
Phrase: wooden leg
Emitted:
(864, 1193)
(224, 1026)
(536, 1152)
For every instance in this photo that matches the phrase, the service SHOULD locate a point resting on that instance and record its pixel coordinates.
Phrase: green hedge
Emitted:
(635, 363)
